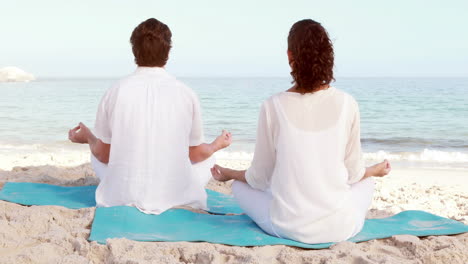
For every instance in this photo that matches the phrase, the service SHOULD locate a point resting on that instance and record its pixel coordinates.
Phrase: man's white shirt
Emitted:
(150, 119)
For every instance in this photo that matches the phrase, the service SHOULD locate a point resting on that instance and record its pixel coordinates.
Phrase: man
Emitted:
(148, 132)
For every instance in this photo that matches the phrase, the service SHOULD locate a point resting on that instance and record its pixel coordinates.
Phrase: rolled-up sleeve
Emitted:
(353, 158)
(260, 172)
(196, 132)
(102, 126)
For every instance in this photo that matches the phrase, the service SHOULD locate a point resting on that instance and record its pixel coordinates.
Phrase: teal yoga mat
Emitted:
(240, 230)
(28, 193)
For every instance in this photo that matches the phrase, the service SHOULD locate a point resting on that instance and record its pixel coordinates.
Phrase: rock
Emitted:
(13, 74)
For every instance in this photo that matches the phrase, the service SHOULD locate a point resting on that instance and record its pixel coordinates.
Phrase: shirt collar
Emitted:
(149, 70)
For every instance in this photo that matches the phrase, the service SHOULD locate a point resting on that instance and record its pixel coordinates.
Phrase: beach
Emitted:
(54, 234)
(143, 83)
(424, 139)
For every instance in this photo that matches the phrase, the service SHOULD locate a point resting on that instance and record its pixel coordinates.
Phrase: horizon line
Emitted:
(251, 77)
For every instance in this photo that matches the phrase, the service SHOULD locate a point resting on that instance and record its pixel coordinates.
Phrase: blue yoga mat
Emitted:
(27, 193)
(240, 230)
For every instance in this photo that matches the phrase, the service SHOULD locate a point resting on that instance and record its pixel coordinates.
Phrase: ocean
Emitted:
(413, 122)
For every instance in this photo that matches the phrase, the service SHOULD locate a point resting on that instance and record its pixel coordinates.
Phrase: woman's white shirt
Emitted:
(308, 152)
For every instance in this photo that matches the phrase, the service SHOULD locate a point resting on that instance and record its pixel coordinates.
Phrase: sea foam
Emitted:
(426, 155)
(67, 154)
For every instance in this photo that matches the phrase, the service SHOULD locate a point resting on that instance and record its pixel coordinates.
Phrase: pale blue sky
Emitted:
(235, 38)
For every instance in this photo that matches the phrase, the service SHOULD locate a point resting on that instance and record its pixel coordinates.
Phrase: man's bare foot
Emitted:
(219, 173)
(380, 169)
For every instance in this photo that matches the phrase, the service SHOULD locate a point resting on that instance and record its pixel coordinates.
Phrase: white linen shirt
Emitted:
(150, 119)
(308, 153)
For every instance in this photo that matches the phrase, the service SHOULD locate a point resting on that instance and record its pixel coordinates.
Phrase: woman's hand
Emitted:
(224, 174)
(380, 169)
(219, 173)
(79, 134)
(223, 141)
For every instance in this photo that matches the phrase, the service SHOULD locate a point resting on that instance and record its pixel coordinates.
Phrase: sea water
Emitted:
(414, 122)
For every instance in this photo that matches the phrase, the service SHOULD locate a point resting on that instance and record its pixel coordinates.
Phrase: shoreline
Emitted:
(56, 234)
(65, 155)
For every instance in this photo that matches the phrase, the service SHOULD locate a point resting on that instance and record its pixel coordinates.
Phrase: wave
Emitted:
(426, 155)
(57, 146)
(404, 142)
(55, 154)
(67, 154)
(234, 155)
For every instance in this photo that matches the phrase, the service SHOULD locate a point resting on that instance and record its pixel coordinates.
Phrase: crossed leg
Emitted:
(256, 203)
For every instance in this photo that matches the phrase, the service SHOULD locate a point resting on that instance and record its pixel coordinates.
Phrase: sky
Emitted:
(243, 38)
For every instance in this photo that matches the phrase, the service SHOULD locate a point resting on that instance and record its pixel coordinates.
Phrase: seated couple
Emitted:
(307, 181)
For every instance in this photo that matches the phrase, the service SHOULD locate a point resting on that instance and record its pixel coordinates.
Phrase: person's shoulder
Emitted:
(340, 93)
(117, 84)
(268, 104)
(112, 90)
(273, 97)
(184, 88)
(127, 80)
(180, 84)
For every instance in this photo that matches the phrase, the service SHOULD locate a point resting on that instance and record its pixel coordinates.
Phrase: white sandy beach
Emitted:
(52, 234)
(342, 81)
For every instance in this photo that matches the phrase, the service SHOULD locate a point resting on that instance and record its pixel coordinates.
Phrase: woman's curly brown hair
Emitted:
(151, 42)
(312, 56)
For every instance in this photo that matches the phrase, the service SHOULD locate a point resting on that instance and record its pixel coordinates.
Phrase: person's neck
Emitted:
(295, 89)
(151, 67)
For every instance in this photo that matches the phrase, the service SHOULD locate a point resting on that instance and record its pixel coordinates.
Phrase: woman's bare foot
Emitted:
(380, 169)
(219, 173)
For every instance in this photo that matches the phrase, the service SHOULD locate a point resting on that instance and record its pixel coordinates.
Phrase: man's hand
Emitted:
(222, 141)
(203, 151)
(79, 134)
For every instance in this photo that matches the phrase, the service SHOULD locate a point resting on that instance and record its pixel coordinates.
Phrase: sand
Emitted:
(53, 234)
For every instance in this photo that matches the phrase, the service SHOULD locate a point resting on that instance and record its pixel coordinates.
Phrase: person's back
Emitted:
(150, 115)
(148, 150)
(310, 134)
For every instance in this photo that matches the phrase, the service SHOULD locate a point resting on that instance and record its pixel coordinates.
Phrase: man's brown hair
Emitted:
(312, 55)
(151, 42)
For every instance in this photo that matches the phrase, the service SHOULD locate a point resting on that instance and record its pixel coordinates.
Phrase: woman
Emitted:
(307, 181)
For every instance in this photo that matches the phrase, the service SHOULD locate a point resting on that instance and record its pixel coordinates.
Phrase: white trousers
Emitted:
(256, 203)
(99, 168)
